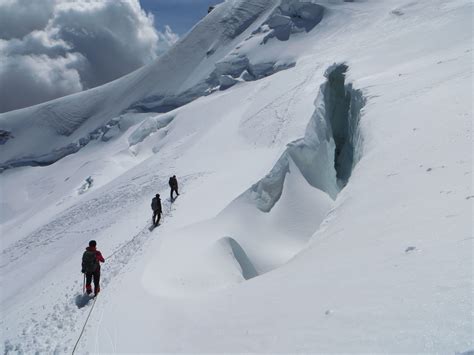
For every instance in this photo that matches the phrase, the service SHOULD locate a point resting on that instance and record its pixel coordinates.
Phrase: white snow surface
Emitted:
(265, 249)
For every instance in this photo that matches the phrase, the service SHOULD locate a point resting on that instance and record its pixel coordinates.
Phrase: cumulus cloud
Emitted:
(51, 48)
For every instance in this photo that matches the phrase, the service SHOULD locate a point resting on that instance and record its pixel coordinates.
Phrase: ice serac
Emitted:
(330, 148)
(57, 128)
(292, 17)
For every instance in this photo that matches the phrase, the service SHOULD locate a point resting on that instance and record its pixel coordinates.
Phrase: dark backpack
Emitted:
(173, 182)
(89, 261)
(154, 204)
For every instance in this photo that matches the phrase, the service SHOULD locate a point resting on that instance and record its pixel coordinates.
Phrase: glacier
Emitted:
(324, 154)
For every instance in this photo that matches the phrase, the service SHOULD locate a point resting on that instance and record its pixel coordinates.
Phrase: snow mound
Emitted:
(198, 259)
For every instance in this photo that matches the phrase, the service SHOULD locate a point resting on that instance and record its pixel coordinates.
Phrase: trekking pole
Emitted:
(84, 284)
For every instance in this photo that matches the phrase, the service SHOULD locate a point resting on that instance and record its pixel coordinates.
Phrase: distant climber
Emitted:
(210, 8)
(156, 207)
(91, 260)
(174, 186)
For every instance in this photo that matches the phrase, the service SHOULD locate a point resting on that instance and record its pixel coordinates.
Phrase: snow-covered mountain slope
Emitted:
(324, 153)
(44, 133)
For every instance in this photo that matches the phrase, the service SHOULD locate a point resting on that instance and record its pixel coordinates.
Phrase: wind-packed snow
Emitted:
(324, 155)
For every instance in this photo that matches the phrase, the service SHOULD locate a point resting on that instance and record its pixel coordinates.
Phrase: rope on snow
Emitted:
(95, 298)
(84, 327)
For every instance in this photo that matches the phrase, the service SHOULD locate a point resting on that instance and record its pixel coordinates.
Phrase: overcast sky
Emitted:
(180, 15)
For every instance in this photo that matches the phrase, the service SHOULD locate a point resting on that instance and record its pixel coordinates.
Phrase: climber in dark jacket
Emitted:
(156, 207)
(174, 186)
(91, 260)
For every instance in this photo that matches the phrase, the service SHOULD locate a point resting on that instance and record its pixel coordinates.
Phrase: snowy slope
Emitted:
(44, 133)
(324, 153)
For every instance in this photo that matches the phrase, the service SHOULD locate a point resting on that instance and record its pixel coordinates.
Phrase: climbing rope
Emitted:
(84, 326)
(120, 248)
(95, 298)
